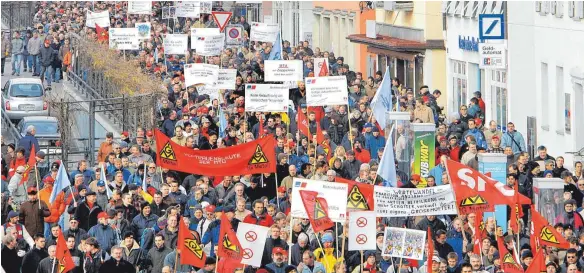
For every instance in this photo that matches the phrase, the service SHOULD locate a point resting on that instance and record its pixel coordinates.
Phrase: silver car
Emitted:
(47, 132)
(23, 97)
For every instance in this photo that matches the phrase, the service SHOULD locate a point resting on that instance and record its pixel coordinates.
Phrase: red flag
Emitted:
(430, 253)
(317, 210)
(359, 195)
(30, 164)
(508, 262)
(544, 233)
(258, 156)
(538, 263)
(479, 234)
(63, 255)
(319, 134)
(475, 192)
(191, 250)
(102, 34)
(302, 123)
(261, 132)
(324, 71)
(517, 211)
(229, 245)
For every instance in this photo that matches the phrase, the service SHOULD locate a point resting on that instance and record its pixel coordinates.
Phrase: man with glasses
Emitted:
(75, 230)
(571, 261)
(464, 116)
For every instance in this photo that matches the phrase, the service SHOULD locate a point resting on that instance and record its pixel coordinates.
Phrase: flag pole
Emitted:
(175, 259)
(276, 182)
(36, 175)
(53, 267)
(361, 266)
(291, 226)
(350, 128)
(323, 254)
(336, 239)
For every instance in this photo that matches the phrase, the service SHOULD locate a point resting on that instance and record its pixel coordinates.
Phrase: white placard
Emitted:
(124, 39)
(206, 7)
(281, 71)
(308, 37)
(140, 7)
(196, 32)
(102, 19)
(439, 200)
(201, 74)
(492, 56)
(335, 195)
(188, 9)
(226, 79)
(324, 91)
(175, 44)
(404, 243)
(252, 239)
(362, 233)
(210, 91)
(266, 98)
(144, 30)
(233, 35)
(268, 19)
(210, 45)
(264, 32)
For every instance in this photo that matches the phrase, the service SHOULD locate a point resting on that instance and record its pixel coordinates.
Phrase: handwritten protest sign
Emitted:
(201, 74)
(175, 44)
(124, 39)
(323, 91)
(393, 202)
(226, 79)
(281, 71)
(264, 32)
(210, 45)
(140, 7)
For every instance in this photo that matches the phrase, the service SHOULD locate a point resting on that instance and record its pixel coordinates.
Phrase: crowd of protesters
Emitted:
(132, 230)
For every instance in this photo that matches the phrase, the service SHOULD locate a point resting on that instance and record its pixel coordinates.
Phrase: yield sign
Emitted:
(221, 18)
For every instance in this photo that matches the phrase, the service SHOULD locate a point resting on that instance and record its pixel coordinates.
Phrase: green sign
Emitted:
(424, 154)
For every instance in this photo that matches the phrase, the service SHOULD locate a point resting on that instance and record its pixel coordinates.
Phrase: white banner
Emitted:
(144, 30)
(390, 202)
(233, 35)
(102, 19)
(492, 56)
(226, 79)
(264, 32)
(124, 39)
(323, 91)
(210, 45)
(282, 71)
(201, 74)
(196, 32)
(404, 243)
(266, 98)
(175, 44)
(188, 9)
(206, 6)
(140, 7)
(318, 64)
(362, 232)
(334, 193)
(252, 239)
(210, 91)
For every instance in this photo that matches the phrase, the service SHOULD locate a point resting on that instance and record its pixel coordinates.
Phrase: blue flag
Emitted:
(386, 168)
(144, 186)
(61, 183)
(103, 178)
(381, 102)
(222, 123)
(276, 53)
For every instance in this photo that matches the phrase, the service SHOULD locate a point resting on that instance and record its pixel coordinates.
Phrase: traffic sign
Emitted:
(491, 27)
(221, 18)
(233, 35)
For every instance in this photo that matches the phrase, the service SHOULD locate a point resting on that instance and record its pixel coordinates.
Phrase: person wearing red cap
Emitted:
(125, 136)
(414, 181)
(281, 200)
(423, 112)
(279, 258)
(103, 232)
(495, 147)
(30, 213)
(442, 149)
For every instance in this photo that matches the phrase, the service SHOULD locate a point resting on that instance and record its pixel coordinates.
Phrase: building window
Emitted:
(560, 106)
(382, 63)
(459, 83)
(545, 95)
(295, 23)
(499, 95)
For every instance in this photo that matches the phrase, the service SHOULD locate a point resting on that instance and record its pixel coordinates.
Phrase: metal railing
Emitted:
(18, 15)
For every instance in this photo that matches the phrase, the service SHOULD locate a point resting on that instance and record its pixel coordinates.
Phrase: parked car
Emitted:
(24, 97)
(47, 132)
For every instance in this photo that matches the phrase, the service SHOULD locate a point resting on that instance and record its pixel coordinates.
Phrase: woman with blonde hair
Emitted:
(340, 154)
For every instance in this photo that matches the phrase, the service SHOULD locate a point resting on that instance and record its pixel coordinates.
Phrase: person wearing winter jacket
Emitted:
(88, 211)
(374, 141)
(477, 133)
(32, 213)
(17, 48)
(17, 191)
(117, 263)
(157, 254)
(47, 56)
(47, 264)
(144, 220)
(104, 233)
(34, 47)
(31, 260)
(132, 252)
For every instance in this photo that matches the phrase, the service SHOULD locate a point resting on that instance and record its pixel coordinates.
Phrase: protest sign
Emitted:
(198, 32)
(321, 67)
(362, 226)
(226, 79)
(209, 90)
(210, 45)
(330, 191)
(169, 12)
(206, 6)
(264, 32)
(281, 71)
(102, 19)
(424, 149)
(323, 91)
(124, 39)
(144, 30)
(404, 243)
(201, 74)
(252, 239)
(391, 202)
(234, 35)
(140, 7)
(266, 98)
(188, 9)
(175, 44)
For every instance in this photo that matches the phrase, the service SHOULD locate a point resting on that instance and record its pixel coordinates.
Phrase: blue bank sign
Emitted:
(468, 43)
